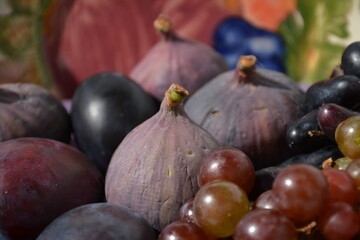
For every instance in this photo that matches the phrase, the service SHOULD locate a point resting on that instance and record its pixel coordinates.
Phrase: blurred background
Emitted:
(59, 43)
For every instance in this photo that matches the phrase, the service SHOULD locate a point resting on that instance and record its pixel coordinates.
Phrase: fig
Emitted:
(249, 108)
(95, 221)
(40, 180)
(29, 110)
(154, 169)
(176, 60)
(106, 107)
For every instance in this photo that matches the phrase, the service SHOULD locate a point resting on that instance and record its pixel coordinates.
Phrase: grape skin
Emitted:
(265, 224)
(219, 206)
(301, 191)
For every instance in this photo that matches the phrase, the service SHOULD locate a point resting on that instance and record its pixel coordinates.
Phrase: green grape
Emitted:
(342, 163)
(347, 136)
(219, 206)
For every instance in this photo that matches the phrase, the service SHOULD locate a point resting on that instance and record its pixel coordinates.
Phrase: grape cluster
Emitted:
(312, 195)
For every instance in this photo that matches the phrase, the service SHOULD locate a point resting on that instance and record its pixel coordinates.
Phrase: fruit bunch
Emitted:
(312, 195)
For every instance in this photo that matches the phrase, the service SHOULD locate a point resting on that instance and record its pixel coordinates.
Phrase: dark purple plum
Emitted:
(41, 179)
(105, 221)
(29, 110)
(105, 108)
(330, 115)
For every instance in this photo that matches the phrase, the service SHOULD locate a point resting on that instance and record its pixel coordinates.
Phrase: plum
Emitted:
(105, 108)
(105, 221)
(29, 110)
(39, 180)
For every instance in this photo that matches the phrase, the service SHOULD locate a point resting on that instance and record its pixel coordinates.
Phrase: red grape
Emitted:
(354, 170)
(342, 186)
(219, 206)
(266, 200)
(339, 220)
(265, 224)
(182, 231)
(301, 191)
(186, 212)
(229, 164)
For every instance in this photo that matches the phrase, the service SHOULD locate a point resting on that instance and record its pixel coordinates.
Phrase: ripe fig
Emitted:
(106, 107)
(176, 60)
(154, 169)
(96, 221)
(249, 108)
(40, 180)
(29, 110)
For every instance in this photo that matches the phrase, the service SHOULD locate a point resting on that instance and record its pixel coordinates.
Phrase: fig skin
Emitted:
(154, 169)
(249, 108)
(29, 110)
(176, 60)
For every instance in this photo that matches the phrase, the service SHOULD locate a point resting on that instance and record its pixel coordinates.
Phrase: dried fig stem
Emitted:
(245, 66)
(175, 95)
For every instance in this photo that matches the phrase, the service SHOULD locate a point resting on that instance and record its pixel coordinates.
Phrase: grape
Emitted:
(342, 163)
(347, 136)
(265, 224)
(229, 164)
(183, 231)
(339, 221)
(263, 181)
(330, 115)
(350, 59)
(342, 90)
(315, 158)
(342, 186)
(266, 200)
(301, 191)
(354, 170)
(305, 135)
(219, 206)
(186, 212)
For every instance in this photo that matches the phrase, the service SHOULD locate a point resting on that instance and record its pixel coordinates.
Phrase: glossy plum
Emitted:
(41, 179)
(105, 108)
(95, 221)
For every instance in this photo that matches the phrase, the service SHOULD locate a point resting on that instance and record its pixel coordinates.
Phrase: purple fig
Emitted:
(330, 115)
(176, 60)
(154, 169)
(250, 109)
(29, 110)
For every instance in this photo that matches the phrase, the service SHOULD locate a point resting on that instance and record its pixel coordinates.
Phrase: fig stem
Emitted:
(175, 95)
(162, 23)
(246, 62)
(245, 66)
